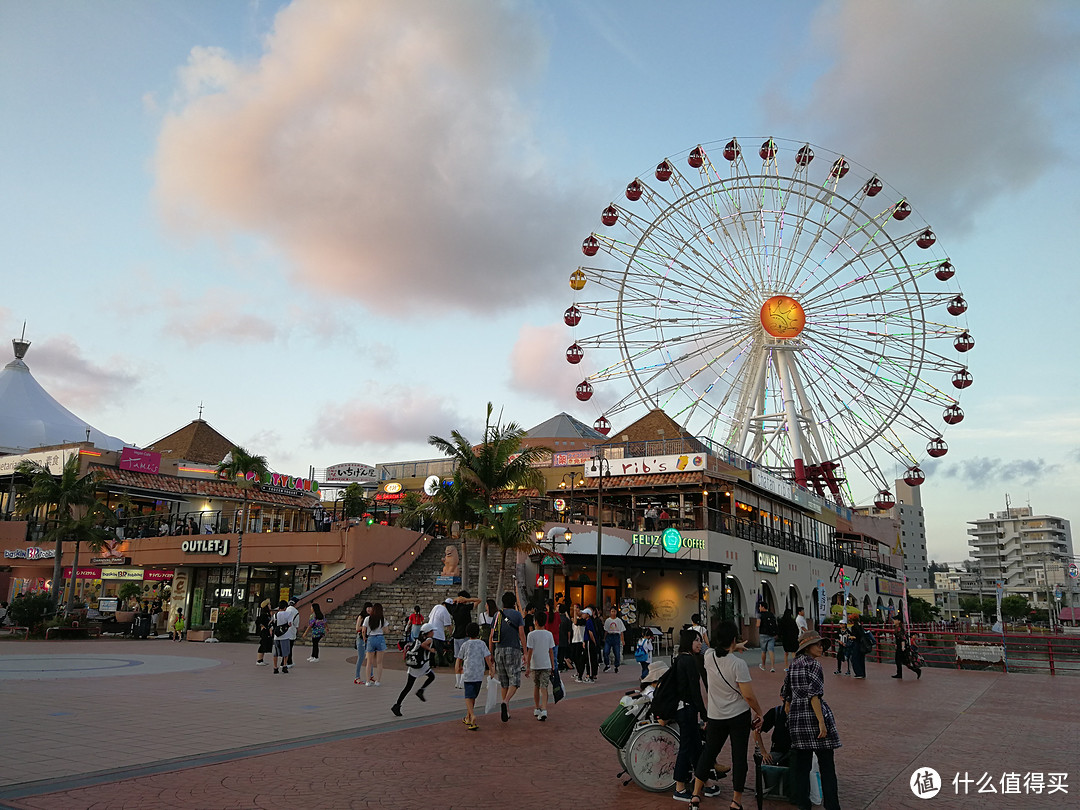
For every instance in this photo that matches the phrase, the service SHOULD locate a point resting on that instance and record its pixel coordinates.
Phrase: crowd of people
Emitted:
(504, 644)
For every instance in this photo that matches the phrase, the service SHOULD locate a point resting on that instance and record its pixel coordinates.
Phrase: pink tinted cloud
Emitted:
(383, 147)
(941, 99)
(76, 381)
(538, 365)
(387, 418)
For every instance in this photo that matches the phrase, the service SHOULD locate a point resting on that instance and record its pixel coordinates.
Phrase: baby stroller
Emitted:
(646, 749)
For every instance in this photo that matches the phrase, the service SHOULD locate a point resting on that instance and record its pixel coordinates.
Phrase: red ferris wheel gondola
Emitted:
(574, 354)
(584, 391)
(884, 500)
(602, 425)
(914, 476)
(572, 316)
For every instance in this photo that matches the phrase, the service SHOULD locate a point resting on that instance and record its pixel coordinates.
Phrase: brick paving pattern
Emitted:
(252, 742)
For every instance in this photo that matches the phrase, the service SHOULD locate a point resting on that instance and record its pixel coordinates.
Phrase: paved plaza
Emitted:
(155, 724)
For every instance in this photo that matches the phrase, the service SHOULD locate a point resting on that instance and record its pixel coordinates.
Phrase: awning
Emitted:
(647, 563)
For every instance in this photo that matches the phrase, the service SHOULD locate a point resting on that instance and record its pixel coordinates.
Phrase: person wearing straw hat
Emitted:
(652, 675)
(811, 724)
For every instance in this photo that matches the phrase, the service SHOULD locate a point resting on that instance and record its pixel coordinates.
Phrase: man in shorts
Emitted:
(767, 630)
(507, 645)
(540, 661)
(283, 642)
(473, 661)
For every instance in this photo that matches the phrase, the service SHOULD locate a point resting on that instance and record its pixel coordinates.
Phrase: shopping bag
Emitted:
(557, 690)
(492, 700)
(816, 797)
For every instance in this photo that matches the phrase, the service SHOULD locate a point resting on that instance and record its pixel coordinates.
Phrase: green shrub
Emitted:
(232, 624)
(31, 611)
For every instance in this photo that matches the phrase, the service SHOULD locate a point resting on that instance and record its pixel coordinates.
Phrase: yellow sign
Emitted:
(213, 615)
(392, 487)
(122, 573)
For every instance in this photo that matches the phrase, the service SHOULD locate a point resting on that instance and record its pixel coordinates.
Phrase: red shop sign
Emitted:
(157, 574)
(84, 573)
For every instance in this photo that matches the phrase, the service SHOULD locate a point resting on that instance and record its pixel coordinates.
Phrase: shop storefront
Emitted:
(92, 584)
(212, 587)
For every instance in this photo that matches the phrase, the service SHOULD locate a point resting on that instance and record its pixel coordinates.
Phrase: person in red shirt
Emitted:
(416, 621)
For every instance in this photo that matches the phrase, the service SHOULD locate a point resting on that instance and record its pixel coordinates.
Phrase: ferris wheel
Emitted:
(784, 303)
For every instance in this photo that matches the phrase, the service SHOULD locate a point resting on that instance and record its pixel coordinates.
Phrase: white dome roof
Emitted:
(30, 417)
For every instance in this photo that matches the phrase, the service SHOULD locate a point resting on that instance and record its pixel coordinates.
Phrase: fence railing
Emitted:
(976, 650)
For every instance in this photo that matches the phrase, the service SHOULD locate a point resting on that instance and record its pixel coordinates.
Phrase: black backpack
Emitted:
(665, 699)
(768, 625)
(416, 655)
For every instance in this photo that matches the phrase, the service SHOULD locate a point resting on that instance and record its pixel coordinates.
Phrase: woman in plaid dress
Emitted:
(810, 722)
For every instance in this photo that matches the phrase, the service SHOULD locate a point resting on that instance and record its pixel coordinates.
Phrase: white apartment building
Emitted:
(1023, 550)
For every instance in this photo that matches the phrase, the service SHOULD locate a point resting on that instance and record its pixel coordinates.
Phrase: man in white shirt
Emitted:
(440, 619)
(613, 639)
(539, 662)
(800, 620)
(285, 622)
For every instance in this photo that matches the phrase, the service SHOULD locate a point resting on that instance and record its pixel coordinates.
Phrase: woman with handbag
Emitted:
(810, 721)
(732, 710)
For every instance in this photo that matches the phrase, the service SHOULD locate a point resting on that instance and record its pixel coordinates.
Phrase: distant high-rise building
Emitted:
(1022, 550)
(908, 513)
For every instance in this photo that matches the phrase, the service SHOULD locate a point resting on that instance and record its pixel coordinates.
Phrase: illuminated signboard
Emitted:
(135, 460)
(668, 541)
(392, 488)
(766, 561)
(687, 462)
(32, 553)
(350, 471)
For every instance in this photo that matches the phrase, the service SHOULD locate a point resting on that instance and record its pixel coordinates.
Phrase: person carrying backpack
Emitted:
(418, 665)
(689, 705)
(643, 652)
(768, 629)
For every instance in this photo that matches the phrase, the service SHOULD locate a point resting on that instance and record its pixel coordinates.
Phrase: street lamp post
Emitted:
(602, 462)
(570, 507)
(567, 537)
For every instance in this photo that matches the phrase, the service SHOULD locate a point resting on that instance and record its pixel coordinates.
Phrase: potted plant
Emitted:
(127, 592)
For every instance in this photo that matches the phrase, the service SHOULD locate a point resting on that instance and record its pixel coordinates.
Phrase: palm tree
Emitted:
(89, 529)
(413, 512)
(353, 502)
(509, 531)
(455, 503)
(497, 464)
(67, 497)
(242, 468)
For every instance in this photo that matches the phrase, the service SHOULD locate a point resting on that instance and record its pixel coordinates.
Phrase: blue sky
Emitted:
(344, 227)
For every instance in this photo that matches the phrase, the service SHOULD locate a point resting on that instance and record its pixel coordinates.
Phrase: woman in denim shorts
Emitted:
(375, 630)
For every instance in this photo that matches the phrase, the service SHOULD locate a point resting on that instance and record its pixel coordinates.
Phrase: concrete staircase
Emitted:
(415, 586)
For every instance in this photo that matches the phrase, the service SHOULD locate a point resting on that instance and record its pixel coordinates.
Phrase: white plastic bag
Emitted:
(816, 797)
(492, 701)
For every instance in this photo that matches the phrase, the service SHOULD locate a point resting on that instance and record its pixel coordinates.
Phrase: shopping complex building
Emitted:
(678, 524)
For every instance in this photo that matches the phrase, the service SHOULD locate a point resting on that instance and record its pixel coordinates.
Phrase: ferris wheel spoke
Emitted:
(696, 266)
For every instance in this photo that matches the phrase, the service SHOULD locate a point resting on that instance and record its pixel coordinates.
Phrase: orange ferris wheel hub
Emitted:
(783, 317)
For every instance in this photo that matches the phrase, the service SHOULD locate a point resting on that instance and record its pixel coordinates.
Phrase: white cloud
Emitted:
(76, 381)
(384, 418)
(383, 147)
(947, 101)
